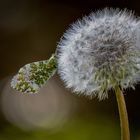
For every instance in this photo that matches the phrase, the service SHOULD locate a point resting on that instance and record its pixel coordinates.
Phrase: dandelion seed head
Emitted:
(100, 52)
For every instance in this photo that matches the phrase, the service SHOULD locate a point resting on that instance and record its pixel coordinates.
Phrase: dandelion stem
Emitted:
(125, 134)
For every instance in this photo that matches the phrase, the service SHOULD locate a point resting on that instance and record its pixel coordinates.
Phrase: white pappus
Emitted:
(100, 52)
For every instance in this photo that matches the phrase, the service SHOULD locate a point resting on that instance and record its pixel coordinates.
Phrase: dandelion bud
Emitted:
(100, 52)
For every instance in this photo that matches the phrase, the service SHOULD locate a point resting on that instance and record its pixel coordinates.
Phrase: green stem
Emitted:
(125, 134)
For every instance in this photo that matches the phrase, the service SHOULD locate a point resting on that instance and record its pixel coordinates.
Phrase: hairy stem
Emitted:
(125, 134)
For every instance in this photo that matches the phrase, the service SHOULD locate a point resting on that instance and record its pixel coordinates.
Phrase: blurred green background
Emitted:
(30, 31)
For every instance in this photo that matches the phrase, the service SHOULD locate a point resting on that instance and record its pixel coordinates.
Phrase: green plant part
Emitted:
(33, 76)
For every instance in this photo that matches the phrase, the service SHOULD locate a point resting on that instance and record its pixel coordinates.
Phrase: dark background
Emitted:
(30, 31)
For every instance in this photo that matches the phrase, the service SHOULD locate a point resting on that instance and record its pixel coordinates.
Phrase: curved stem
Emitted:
(125, 134)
